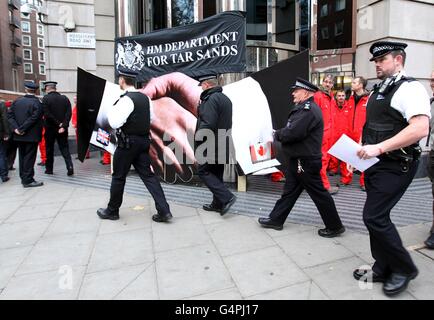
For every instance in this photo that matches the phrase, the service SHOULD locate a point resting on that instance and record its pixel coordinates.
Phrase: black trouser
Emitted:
(212, 176)
(11, 152)
(309, 180)
(27, 152)
(137, 155)
(386, 182)
(431, 176)
(3, 160)
(51, 135)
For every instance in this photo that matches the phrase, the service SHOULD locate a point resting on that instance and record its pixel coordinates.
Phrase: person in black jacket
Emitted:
(131, 116)
(57, 112)
(214, 118)
(301, 140)
(25, 120)
(4, 137)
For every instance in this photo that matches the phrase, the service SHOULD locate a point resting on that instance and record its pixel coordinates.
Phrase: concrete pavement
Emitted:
(53, 246)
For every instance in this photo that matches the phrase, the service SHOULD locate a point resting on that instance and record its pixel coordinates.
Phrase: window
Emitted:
(15, 79)
(42, 69)
(285, 22)
(27, 54)
(182, 12)
(27, 41)
(339, 28)
(340, 5)
(28, 68)
(40, 30)
(41, 56)
(25, 26)
(324, 10)
(256, 20)
(41, 44)
(209, 8)
(325, 33)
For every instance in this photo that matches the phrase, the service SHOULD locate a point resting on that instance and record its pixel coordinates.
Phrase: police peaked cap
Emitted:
(304, 84)
(50, 83)
(206, 77)
(31, 85)
(381, 48)
(128, 73)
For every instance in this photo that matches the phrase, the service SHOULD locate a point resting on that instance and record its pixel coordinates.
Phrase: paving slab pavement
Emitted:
(53, 246)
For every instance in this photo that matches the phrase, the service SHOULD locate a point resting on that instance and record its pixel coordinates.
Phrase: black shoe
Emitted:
(268, 223)
(11, 169)
(162, 218)
(70, 172)
(108, 214)
(48, 171)
(41, 164)
(226, 206)
(397, 283)
(5, 179)
(33, 184)
(368, 275)
(211, 207)
(428, 242)
(328, 233)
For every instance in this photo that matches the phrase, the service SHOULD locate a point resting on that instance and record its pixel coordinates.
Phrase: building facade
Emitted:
(338, 33)
(11, 66)
(33, 46)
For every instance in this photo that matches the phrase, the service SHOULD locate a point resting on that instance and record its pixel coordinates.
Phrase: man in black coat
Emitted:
(301, 140)
(25, 120)
(57, 112)
(4, 137)
(214, 120)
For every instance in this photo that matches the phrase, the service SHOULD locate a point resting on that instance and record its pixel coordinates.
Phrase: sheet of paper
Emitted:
(345, 149)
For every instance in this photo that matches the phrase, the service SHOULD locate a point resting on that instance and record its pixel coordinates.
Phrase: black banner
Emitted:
(213, 45)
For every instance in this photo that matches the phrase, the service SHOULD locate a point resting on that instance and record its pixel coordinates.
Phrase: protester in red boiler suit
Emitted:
(325, 100)
(342, 123)
(358, 101)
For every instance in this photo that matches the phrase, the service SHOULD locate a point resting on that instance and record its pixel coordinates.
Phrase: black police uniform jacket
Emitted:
(214, 113)
(57, 110)
(25, 114)
(302, 136)
(4, 123)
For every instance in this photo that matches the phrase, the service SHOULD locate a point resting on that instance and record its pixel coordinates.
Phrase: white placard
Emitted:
(345, 149)
(81, 40)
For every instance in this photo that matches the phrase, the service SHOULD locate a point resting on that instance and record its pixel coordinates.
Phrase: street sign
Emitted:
(81, 40)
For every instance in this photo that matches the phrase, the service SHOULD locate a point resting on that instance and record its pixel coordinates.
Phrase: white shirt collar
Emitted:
(399, 75)
(131, 89)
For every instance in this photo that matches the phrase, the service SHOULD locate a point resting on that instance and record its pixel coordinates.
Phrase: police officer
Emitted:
(131, 116)
(4, 137)
(57, 113)
(397, 117)
(301, 142)
(25, 120)
(430, 241)
(215, 117)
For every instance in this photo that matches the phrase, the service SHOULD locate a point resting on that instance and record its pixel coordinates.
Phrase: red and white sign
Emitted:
(261, 151)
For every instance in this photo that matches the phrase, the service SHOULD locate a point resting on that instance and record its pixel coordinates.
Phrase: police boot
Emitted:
(108, 214)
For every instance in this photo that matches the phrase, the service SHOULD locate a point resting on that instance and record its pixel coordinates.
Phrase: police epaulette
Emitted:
(306, 106)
